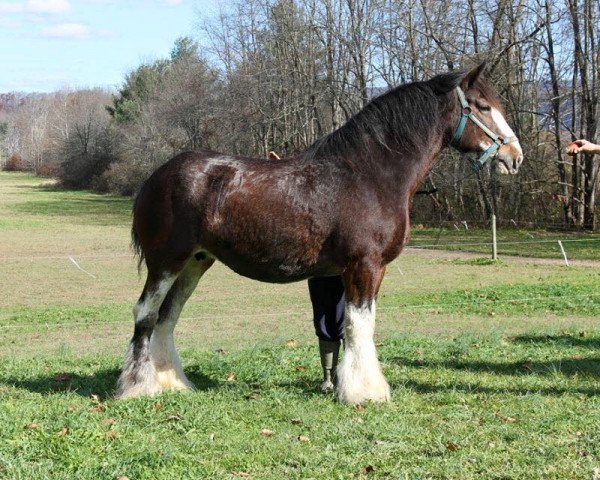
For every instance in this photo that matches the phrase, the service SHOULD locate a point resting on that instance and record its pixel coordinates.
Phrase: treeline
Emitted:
(278, 74)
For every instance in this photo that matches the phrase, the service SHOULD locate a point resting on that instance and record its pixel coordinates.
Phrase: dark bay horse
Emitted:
(339, 208)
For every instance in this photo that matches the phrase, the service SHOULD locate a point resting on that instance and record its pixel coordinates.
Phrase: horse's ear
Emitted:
(473, 76)
(446, 82)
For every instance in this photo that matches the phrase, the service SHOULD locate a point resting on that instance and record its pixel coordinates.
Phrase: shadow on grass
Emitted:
(90, 211)
(559, 340)
(102, 383)
(564, 366)
(92, 208)
(469, 388)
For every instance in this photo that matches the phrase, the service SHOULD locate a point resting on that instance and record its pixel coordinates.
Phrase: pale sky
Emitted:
(47, 45)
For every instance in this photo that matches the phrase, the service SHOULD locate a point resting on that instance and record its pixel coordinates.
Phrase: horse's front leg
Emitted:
(359, 376)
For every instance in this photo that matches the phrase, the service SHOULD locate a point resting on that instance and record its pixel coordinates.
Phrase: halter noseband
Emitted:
(467, 113)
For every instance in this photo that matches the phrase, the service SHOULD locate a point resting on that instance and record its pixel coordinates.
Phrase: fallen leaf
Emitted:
(359, 408)
(265, 432)
(300, 368)
(366, 470)
(296, 421)
(492, 314)
(358, 420)
(62, 377)
(32, 425)
(74, 408)
(112, 434)
(231, 377)
(157, 406)
(451, 446)
(95, 398)
(174, 418)
(291, 343)
(241, 474)
(99, 408)
(303, 439)
(110, 421)
(505, 418)
(62, 432)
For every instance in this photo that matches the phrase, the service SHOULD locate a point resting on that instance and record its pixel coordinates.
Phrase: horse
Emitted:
(339, 208)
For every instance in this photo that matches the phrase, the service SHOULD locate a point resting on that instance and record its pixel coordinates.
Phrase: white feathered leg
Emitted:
(167, 364)
(359, 374)
(138, 376)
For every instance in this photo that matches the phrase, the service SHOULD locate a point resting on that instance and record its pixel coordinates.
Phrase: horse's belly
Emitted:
(271, 267)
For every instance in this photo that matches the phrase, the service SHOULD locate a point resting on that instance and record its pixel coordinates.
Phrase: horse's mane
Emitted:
(400, 120)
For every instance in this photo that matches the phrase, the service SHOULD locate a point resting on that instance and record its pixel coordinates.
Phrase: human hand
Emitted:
(582, 146)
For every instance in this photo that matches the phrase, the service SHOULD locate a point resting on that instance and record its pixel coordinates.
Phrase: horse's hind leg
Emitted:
(166, 361)
(151, 351)
(138, 376)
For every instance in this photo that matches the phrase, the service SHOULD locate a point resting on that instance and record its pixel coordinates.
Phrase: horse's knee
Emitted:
(144, 326)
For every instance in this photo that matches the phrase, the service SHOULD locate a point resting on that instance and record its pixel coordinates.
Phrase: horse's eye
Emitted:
(484, 108)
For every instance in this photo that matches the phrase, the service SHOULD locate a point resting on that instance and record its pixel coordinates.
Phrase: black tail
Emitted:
(135, 239)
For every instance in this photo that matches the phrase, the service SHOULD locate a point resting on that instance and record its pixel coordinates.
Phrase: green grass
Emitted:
(494, 366)
(469, 407)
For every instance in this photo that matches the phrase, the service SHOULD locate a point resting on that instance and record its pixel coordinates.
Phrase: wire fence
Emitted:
(71, 261)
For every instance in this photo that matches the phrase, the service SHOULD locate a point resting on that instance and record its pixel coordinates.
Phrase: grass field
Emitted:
(494, 367)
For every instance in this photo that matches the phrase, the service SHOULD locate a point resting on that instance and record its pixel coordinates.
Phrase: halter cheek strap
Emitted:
(466, 114)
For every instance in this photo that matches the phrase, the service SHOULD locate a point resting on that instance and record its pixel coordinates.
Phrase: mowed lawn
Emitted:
(494, 367)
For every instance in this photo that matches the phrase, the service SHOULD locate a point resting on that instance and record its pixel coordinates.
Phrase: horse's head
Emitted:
(482, 127)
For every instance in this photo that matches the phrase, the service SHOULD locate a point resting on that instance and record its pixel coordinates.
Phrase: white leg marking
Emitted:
(359, 375)
(166, 361)
(169, 371)
(139, 374)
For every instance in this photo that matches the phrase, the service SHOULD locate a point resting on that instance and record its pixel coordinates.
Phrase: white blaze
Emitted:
(504, 129)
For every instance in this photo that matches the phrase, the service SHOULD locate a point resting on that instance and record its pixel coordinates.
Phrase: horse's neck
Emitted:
(409, 168)
(412, 167)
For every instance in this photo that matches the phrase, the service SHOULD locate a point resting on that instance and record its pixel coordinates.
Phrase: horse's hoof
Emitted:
(327, 386)
(379, 393)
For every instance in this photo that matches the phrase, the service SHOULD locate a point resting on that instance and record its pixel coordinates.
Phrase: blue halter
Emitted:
(467, 114)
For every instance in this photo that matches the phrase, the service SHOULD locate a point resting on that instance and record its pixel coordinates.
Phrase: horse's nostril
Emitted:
(517, 162)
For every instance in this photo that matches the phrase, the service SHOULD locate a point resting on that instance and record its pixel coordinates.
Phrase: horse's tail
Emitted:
(135, 238)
